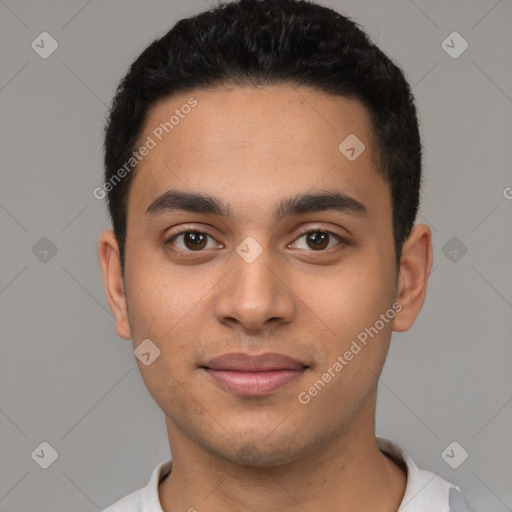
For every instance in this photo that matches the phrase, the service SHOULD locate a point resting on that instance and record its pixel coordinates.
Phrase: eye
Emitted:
(318, 240)
(191, 240)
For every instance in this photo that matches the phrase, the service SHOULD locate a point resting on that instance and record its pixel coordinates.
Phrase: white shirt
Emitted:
(424, 492)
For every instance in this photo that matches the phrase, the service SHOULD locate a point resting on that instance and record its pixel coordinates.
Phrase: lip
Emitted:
(253, 375)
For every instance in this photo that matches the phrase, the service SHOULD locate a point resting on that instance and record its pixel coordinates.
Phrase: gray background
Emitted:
(65, 376)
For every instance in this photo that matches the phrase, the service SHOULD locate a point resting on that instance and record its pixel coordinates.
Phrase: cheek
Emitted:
(170, 388)
(168, 308)
(351, 298)
(161, 302)
(350, 303)
(355, 345)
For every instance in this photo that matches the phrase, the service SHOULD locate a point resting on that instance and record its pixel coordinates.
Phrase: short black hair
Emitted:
(263, 43)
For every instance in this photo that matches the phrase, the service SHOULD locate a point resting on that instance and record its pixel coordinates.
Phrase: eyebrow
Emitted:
(196, 202)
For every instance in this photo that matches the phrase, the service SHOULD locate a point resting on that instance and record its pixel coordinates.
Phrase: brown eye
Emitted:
(194, 240)
(191, 240)
(318, 240)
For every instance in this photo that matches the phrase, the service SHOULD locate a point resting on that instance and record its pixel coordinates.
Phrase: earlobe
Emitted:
(108, 254)
(415, 268)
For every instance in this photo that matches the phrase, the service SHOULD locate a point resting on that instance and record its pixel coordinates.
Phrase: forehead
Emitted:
(253, 144)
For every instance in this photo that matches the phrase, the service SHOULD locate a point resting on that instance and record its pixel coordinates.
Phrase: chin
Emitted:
(260, 451)
(253, 455)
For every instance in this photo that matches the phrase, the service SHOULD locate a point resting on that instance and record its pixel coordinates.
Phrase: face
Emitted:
(260, 266)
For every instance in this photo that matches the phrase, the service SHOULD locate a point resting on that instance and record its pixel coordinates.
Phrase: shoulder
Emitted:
(457, 501)
(145, 499)
(424, 490)
(130, 503)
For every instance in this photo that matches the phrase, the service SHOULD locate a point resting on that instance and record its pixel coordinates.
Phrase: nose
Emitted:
(255, 295)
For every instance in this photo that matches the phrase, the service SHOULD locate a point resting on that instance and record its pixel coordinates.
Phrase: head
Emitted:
(231, 128)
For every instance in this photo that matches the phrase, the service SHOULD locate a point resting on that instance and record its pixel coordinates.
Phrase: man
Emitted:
(263, 169)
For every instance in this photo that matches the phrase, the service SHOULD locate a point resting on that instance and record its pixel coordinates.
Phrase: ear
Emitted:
(108, 254)
(415, 268)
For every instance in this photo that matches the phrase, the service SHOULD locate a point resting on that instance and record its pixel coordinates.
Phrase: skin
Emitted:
(251, 148)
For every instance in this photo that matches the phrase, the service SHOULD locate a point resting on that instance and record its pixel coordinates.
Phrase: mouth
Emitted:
(247, 375)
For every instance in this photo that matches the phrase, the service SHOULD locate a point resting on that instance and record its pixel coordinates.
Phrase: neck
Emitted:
(346, 473)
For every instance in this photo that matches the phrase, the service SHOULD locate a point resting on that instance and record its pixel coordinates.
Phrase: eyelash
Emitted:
(341, 240)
